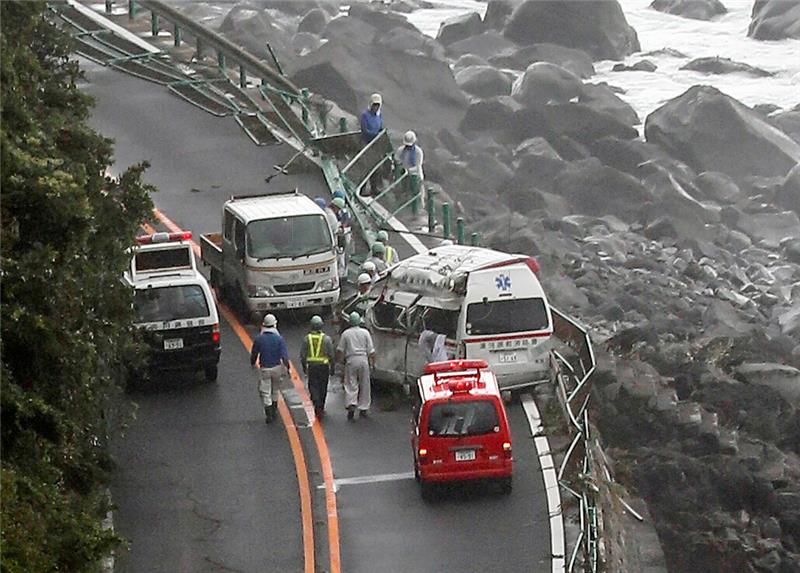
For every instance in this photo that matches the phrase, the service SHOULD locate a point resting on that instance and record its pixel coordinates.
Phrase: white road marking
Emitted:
(360, 480)
(557, 543)
(398, 227)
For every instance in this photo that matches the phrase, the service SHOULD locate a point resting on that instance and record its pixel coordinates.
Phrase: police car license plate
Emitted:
(465, 455)
(173, 343)
(508, 357)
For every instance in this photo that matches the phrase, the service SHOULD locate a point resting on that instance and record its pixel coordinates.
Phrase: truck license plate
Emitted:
(465, 455)
(508, 357)
(173, 343)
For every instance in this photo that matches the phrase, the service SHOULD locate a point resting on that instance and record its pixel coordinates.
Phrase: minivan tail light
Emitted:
(423, 452)
(215, 333)
(507, 449)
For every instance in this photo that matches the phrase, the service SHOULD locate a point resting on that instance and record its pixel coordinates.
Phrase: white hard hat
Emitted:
(368, 266)
(410, 138)
(364, 278)
(376, 99)
(270, 320)
(445, 243)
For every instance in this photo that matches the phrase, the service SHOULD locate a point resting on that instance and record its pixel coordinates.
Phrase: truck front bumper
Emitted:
(305, 300)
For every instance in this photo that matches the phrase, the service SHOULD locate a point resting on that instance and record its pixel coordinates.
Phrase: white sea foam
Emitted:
(725, 36)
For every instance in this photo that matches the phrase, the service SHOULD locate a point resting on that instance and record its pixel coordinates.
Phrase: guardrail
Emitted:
(573, 388)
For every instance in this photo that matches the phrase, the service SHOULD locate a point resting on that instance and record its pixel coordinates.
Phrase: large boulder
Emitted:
(459, 28)
(775, 20)
(711, 131)
(718, 66)
(780, 377)
(411, 41)
(695, 9)
(484, 45)
(598, 27)
(788, 122)
(494, 115)
(247, 27)
(519, 58)
(770, 228)
(483, 81)
(498, 12)
(314, 21)
(382, 19)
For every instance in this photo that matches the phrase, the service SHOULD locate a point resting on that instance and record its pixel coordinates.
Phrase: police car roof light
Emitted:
(163, 237)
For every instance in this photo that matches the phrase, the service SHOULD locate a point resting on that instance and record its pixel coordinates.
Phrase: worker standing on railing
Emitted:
(371, 126)
(390, 253)
(410, 156)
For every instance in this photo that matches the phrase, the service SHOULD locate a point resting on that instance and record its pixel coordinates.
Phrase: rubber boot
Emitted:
(268, 414)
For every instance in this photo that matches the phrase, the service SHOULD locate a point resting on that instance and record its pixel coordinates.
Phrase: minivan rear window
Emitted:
(511, 315)
(162, 304)
(463, 418)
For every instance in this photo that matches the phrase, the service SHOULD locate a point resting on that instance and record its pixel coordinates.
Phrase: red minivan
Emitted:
(460, 426)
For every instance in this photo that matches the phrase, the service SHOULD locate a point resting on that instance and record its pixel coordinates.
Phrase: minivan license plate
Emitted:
(508, 357)
(465, 455)
(173, 343)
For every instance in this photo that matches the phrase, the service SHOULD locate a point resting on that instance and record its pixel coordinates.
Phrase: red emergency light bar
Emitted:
(532, 263)
(163, 237)
(455, 365)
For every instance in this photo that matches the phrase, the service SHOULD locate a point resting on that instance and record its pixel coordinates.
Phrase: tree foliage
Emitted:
(66, 315)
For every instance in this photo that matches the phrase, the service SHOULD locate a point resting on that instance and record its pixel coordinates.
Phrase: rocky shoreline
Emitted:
(681, 249)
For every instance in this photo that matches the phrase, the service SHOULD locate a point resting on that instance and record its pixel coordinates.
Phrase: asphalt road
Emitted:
(203, 484)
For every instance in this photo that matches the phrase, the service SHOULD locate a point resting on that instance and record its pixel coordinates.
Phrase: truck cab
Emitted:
(275, 252)
(174, 305)
(460, 428)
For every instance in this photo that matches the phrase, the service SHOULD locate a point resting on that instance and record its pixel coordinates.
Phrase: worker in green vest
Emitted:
(317, 354)
(389, 253)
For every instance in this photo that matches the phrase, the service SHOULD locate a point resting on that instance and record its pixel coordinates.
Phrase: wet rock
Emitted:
(711, 131)
(412, 42)
(247, 27)
(484, 45)
(314, 21)
(305, 42)
(629, 155)
(459, 27)
(544, 83)
(492, 115)
(770, 228)
(774, 20)
(299, 7)
(597, 27)
(483, 81)
(498, 12)
(717, 187)
(788, 194)
(378, 17)
(668, 52)
(788, 122)
(694, 9)
(661, 228)
(640, 66)
(722, 319)
(717, 65)
(519, 58)
(766, 108)
(469, 60)
(603, 98)
(352, 31)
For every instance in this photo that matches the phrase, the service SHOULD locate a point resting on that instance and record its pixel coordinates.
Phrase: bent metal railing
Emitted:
(573, 389)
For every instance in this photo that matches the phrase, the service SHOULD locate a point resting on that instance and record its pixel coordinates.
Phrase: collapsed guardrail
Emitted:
(573, 389)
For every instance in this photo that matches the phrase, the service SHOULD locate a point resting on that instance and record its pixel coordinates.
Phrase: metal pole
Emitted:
(153, 24)
(474, 240)
(176, 35)
(446, 220)
(304, 102)
(431, 208)
(342, 124)
(415, 193)
(242, 76)
(199, 54)
(221, 59)
(460, 230)
(131, 9)
(275, 59)
(323, 118)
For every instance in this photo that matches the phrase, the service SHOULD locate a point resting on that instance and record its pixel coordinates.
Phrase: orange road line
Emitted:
(294, 440)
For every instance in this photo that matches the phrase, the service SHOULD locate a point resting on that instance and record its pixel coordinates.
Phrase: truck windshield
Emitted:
(163, 304)
(462, 418)
(511, 315)
(288, 237)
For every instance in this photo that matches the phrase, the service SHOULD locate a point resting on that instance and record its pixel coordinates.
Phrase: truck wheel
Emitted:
(211, 373)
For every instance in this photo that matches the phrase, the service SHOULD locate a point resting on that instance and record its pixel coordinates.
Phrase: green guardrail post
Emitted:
(131, 9)
(446, 220)
(109, 6)
(199, 54)
(153, 24)
(304, 103)
(221, 59)
(323, 118)
(415, 193)
(176, 36)
(242, 76)
(431, 208)
(460, 230)
(474, 240)
(342, 124)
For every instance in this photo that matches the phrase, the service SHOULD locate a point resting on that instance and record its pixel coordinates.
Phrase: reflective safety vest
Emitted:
(389, 254)
(315, 355)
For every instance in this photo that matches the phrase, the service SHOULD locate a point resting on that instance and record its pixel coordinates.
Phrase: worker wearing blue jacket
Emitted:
(269, 351)
(371, 119)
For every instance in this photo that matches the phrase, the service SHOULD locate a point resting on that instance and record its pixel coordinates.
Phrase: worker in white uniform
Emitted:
(358, 354)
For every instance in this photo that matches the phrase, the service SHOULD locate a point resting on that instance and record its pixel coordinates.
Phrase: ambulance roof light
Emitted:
(455, 366)
(163, 237)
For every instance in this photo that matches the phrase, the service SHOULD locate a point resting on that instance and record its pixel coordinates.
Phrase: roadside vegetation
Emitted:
(66, 316)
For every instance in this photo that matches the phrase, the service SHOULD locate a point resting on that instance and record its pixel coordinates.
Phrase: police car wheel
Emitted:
(211, 373)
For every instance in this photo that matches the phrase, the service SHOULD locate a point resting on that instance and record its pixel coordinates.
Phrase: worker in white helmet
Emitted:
(371, 270)
(410, 156)
(389, 252)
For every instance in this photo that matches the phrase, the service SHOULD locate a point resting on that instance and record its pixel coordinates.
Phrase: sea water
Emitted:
(725, 36)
